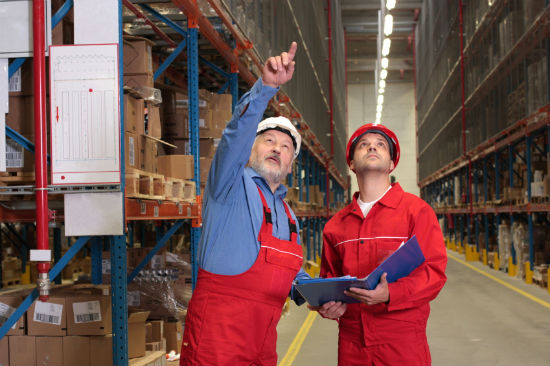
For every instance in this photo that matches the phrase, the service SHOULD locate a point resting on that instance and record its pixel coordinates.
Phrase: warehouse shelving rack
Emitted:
(316, 165)
(465, 183)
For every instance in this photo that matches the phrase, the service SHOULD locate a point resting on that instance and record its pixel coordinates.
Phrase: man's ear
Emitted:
(352, 166)
(392, 166)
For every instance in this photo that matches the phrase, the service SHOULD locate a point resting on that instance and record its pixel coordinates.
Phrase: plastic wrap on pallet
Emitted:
(504, 244)
(149, 94)
(521, 246)
(164, 292)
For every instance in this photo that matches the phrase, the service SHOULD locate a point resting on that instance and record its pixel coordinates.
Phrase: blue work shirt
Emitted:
(233, 210)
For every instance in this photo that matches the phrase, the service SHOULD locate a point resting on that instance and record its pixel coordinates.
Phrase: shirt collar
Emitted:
(259, 180)
(391, 199)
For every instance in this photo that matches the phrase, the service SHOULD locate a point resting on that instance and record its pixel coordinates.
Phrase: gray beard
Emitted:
(269, 175)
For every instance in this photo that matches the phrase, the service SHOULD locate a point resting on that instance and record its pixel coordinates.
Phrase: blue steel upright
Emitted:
(193, 92)
(119, 303)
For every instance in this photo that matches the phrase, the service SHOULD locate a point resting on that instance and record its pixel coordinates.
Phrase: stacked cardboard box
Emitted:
(138, 63)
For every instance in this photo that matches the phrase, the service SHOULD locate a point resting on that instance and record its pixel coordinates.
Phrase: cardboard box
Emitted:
(148, 154)
(173, 332)
(20, 114)
(137, 56)
(4, 351)
(205, 168)
(76, 351)
(101, 350)
(137, 81)
(153, 121)
(88, 314)
(157, 330)
(148, 332)
(153, 346)
(221, 118)
(49, 351)
(8, 304)
(21, 82)
(176, 166)
(133, 115)
(132, 150)
(47, 318)
(136, 334)
(22, 351)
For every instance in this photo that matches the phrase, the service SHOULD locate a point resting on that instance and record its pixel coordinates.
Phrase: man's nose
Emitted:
(372, 148)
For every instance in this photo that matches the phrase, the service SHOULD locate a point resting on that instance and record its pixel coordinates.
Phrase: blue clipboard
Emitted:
(400, 263)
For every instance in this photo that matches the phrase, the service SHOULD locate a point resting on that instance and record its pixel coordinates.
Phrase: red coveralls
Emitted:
(392, 333)
(231, 320)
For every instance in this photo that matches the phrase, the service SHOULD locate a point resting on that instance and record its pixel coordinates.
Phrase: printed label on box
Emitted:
(5, 313)
(87, 312)
(45, 312)
(14, 154)
(133, 298)
(106, 266)
(15, 81)
(131, 154)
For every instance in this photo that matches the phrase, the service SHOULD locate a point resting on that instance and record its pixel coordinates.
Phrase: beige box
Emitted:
(22, 351)
(76, 351)
(8, 304)
(133, 115)
(4, 351)
(136, 334)
(205, 168)
(137, 57)
(157, 330)
(89, 314)
(148, 154)
(47, 318)
(173, 332)
(153, 121)
(101, 350)
(176, 166)
(49, 351)
(136, 81)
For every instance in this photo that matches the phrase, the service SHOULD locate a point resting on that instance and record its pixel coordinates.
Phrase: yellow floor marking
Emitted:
(503, 283)
(297, 342)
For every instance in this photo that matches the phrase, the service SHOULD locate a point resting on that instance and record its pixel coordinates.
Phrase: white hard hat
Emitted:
(284, 125)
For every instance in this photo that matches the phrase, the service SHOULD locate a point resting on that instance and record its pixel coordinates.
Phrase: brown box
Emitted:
(133, 115)
(89, 314)
(132, 150)
(157, 330)
(148, 154)
(153, 121)
(205, 168)
(137, 57)
(221, 118)
(176, 166)
(21, 83)
(20, 114)
(49, 351)
(136, 334)
(47, 319)
(148, 332)
(137, 81)
(101, 350)
(22, 351)
(76, 351)
(173, 332)
(4, 351)
(8, 303)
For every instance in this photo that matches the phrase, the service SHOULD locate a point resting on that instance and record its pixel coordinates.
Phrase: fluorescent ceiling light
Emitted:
(386, 47)
(383, 74)
(390, 4)
(385, 62)
(388, 24)
(379, 108)
(378, 115)
(382, 84)
(381, 91)
(380, 99)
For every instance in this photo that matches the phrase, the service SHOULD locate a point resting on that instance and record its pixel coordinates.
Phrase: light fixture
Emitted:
(383, 74)
(378, 115)
(381, 99)
(388, 24)
(382, 84)
(386, 47)
(390, 4)
(381, 91)
(379, 108)
(385, 62)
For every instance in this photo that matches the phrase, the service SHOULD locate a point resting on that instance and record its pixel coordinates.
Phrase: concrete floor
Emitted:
(475, 320)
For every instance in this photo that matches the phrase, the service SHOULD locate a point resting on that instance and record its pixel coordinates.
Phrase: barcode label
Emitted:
(48, 313)
(157, 262)
(15, 81)
(87, 312)
(131, 153)
(106, 266)
(14, 154)
(133, 298)
(5, 313)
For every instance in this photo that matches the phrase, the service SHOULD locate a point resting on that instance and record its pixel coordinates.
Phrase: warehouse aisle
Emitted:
(479, 318)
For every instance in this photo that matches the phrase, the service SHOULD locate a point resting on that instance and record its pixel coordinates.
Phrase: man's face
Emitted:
(272, 155)
(372, 153)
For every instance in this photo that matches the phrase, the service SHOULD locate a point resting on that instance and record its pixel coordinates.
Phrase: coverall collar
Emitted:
(391, 199)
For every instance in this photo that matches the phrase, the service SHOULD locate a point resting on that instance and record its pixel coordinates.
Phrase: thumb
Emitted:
(384, 278)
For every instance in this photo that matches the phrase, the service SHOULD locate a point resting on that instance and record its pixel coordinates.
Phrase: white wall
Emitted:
(398, 115)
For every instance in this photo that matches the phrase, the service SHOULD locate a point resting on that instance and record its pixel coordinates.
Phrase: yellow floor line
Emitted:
(503, 283)
(297, 342)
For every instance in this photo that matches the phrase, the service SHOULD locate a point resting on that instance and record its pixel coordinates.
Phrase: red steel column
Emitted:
(329, 21)
(40, 154)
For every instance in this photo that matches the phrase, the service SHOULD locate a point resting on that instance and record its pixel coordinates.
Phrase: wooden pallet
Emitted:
(11, 282)
(145, 185)
(16, 178)
(539, 199)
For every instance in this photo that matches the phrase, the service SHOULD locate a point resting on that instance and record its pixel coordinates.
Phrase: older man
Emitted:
(249, 252)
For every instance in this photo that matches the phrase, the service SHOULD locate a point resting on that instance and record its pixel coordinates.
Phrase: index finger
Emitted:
(292, 51)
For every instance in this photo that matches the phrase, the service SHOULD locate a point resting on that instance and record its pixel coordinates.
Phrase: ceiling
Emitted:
(360, 19)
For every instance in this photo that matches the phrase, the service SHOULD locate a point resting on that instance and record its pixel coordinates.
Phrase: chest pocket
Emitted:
(385, 248)
(287, 255)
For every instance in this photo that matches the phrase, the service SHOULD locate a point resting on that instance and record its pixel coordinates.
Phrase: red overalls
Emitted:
(232, 320)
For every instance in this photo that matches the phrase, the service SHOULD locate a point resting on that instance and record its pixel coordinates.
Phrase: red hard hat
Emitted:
(374, 128)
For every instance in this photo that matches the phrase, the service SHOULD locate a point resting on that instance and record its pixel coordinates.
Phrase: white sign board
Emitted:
(94, 214)
(4, 108)
(84, 114)
(96, 21)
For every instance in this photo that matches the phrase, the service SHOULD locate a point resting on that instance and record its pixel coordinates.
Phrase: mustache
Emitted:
(274, 156)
